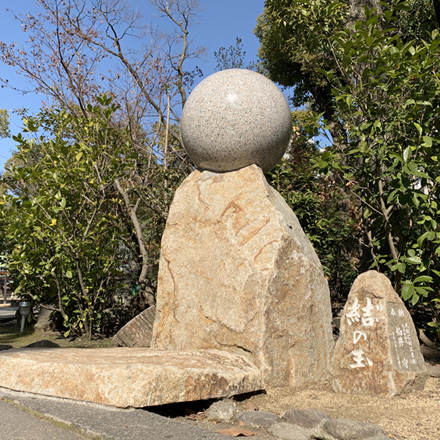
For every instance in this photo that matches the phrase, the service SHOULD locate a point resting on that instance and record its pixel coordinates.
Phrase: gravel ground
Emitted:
(414, 416)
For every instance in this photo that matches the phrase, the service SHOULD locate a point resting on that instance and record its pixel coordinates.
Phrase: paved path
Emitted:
(16, 424)
(67, 420)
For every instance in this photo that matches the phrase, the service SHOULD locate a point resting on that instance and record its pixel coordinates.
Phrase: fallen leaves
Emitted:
(195, 417)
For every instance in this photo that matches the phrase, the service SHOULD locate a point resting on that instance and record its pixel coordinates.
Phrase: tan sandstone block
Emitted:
(128, 377)
(238, 273)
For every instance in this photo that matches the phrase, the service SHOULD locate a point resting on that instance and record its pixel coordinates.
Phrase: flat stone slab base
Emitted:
(128, 377)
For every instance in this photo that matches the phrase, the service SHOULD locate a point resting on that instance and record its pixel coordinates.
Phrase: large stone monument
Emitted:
(242, 301)
(237, 272)
(378, 352)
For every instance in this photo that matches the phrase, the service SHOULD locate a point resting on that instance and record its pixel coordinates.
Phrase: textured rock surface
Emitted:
(258, 419)
(128, 377)
(305, 418)
(431, 370)
(287, 431)
(377, 437)
(44, 323)
(344, 429)
(44, 343)
(137, 332)
(312, 424)
(377, 352)
(222, 411)
(237, 273)
(236, 118)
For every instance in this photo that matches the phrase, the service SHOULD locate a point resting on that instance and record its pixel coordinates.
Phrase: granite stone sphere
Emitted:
(233, 119)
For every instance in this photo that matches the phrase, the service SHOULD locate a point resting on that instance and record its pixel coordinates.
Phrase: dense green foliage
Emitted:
(85, 198)
(327, 214)
(91, 183)
(376, 84)
(387, 92)
(62, 215)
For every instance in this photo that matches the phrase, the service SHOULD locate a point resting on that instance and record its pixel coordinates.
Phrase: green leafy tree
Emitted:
(380, 73)
(295, 48)
(388, 93)
(78, 49)
(70, 245)
(328, 215)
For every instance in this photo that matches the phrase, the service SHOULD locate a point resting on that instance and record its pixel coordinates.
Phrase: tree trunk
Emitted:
(357, 9)
(131, 210)
(436, 4)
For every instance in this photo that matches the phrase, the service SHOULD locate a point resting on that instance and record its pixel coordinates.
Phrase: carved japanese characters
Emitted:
(377, 351)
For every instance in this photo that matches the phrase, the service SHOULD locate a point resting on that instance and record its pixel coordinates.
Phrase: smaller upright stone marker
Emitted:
(377, 352)
(137, 332)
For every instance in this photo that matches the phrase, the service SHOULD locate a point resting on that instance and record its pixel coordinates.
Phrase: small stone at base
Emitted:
(258, 419)
(344, 429)
(287, 431)
(305, 418)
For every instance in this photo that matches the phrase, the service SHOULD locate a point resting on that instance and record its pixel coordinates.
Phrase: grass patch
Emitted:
(10, 335)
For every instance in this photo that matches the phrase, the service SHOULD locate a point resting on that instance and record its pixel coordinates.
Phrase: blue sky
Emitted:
(219, 24)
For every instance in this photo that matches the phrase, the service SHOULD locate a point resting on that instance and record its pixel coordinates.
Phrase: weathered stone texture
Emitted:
(222, 410)
(137, 332)
(44, 343)
(44, 323)
(128, 377)
(305, 418)
(233, 119)
(377, 352)
(287, 431)
(238, 273)
(345, 429)
(258, 419)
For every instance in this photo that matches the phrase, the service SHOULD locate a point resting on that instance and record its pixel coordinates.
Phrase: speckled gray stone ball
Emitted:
(233, 119)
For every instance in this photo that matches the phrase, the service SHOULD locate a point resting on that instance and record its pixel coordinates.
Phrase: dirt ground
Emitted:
(414, 416)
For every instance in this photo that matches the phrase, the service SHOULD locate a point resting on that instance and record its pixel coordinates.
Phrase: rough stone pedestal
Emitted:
(128, 377)
(377, 352)
(237, 273)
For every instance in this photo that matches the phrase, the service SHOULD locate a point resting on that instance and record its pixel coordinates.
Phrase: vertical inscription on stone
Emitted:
(377, 352)
(361, 318)
(403, 341)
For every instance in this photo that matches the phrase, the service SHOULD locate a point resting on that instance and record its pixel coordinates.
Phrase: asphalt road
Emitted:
(25, 417)
(17, 424)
